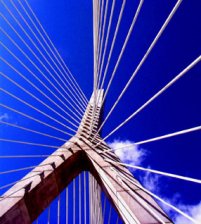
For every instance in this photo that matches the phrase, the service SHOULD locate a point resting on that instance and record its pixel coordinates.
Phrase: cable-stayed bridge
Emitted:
(83, 174)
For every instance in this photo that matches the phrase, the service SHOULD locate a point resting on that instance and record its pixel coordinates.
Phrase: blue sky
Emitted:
(69, 25)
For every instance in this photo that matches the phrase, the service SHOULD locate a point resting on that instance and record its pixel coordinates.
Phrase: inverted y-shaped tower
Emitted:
(26, 200)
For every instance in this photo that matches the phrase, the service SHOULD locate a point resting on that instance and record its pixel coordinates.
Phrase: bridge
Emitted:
(82, 178)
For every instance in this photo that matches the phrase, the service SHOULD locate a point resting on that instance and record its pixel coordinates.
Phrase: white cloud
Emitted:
(134, 155)
(131, 154)
(193, 211)
(173, 201)
(150, 181)
(4, 117)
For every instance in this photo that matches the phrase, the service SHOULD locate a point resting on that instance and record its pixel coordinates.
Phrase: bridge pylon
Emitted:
(29, 197)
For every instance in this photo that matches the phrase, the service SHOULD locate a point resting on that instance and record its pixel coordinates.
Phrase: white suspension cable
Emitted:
(103, 58)
(43, 37)
(100, 220)
(66, 70)
(15, 182)
(34, 119)
(157, 172)
(99, 204)
(95, 201)
(100, 5)
(38, 110)
(163, 201)
(141, 201)
(91, 194)
(74, 95)
(44, 48)
(106, 42)
(113, 42)
(119, 58)
(196, 61)
(27, 156)
(85, 199)
(109, 216)
(80, 200)
(102, 36)
(90, 198)
(143, 59)
(100, 24)
(74, 205)
(36, 78)
(95, 39)
(101, 210)
(48, 216)
(31, 130)
(21, 169)
(46, 60)
(198, 128)
(38, 89)
(104, 207)
(21, 156)
(95, 45)
(32, 95)
(67, 205)
(123, 48)
(58, 209)
(29, 143)
(117, 204)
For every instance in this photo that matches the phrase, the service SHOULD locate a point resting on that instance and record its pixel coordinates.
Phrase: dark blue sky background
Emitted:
(69, 25)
